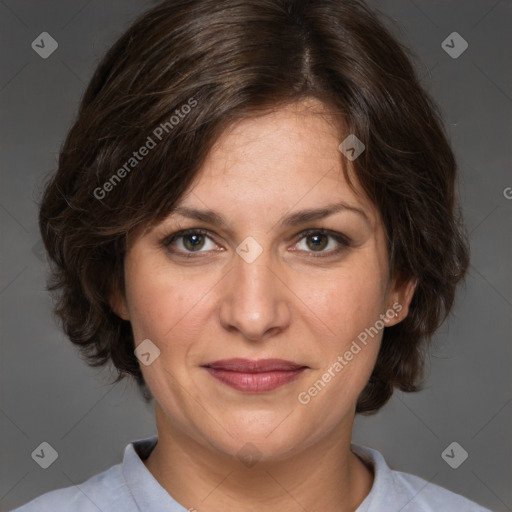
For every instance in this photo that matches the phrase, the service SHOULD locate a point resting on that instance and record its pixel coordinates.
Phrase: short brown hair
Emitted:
(225, 61)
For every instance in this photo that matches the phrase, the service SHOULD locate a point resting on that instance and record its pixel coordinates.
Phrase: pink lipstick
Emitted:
(254, 376)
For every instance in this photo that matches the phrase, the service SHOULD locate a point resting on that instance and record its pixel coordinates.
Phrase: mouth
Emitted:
(255, 376)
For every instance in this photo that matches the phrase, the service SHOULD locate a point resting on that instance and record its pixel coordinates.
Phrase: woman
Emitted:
(254, 217)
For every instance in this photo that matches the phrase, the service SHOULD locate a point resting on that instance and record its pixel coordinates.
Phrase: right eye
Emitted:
(188, 241)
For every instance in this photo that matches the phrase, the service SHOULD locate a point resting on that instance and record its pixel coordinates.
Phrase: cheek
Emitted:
(165, 308)
(163, 303)
(345, 302)
(349, 309)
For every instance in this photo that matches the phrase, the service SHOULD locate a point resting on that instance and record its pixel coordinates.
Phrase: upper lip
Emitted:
(254, 365)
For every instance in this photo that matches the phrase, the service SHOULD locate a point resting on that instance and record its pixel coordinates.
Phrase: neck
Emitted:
(325, 476)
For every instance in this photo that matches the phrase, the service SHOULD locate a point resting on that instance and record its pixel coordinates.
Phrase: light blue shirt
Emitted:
(130, 487)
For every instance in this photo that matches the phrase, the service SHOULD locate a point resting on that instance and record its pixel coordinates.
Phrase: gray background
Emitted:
(48, 394)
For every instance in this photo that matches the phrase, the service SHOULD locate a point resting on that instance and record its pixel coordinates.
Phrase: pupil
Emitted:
(193, 240)
(315, 244)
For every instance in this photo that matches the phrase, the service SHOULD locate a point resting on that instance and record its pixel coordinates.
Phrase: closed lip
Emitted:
(254, 365)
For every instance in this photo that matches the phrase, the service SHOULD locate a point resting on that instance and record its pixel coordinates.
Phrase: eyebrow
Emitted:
(293, 219)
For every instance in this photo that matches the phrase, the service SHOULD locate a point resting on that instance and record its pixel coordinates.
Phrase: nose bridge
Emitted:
(255, 302)
(253, 280)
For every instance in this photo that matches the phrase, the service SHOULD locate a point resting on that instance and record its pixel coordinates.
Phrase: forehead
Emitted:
(270, 165)
(298, 131)
(290, 155)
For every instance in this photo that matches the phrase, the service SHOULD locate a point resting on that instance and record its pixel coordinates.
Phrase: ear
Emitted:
(400, 297)
(118, 303)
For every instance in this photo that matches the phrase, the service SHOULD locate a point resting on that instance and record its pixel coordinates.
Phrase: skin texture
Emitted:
(286, 304)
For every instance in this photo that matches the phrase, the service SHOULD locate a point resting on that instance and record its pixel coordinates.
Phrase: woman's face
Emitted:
(252, 285)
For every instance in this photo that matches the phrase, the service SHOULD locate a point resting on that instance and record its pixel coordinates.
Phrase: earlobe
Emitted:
(118, 304)
(403, 297)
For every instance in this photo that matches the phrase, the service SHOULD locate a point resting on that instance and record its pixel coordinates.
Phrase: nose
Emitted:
(255, 302)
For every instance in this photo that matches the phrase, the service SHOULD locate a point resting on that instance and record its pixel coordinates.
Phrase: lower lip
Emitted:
(255, 382)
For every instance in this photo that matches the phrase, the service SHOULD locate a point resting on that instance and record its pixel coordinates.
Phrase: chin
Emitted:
(271, 437)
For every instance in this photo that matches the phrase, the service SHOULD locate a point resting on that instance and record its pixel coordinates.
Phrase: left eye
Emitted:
(318, 240)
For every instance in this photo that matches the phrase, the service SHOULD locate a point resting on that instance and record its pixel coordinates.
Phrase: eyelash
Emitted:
(341, 239)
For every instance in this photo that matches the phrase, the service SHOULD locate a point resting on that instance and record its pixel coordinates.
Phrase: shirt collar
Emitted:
(374, 460)
(147, 493)
(150, 496)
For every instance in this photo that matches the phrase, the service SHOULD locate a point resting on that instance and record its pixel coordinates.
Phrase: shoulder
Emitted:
(103, 491)
(428, 497)
(395, 490)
